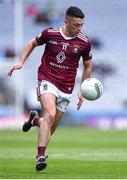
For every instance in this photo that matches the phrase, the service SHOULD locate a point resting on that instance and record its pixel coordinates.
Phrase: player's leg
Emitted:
(47, 127)
(48, 103)
(62, 102)
(55, 124)
(35, 120)
(56, 121)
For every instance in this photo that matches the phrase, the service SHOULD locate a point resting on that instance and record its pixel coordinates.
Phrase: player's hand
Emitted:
(14, 67)
(80, 97)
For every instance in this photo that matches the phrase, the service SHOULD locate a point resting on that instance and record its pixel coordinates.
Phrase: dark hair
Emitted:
(75, 12)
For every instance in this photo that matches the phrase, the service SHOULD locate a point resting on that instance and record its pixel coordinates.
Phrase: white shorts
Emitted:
(62, 99)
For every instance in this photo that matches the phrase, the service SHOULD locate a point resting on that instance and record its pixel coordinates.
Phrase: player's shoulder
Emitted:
(52, 30)
(83, 37)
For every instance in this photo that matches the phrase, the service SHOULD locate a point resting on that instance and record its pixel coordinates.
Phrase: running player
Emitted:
(56, 75)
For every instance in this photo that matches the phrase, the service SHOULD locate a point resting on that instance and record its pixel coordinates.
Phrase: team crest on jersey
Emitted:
(76, 48)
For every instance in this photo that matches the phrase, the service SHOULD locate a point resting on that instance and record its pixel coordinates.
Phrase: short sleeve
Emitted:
(42, 37)
(87, 52)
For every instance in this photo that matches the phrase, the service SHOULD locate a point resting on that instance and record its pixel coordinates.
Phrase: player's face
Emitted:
(74, 25)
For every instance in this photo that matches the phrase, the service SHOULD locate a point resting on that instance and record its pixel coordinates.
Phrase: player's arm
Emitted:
(25, 54)
(87, 69)
(86, 74)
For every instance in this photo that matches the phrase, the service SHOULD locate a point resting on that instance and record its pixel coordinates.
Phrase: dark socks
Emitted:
(36, 121)
(41, 151)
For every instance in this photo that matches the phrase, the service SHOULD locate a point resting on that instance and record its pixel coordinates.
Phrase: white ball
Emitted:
(91, 89)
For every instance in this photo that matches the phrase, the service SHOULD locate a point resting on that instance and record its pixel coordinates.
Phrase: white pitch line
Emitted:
(73, 155)
(94, 154)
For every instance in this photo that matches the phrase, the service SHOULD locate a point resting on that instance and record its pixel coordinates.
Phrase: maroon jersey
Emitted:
(60, 60)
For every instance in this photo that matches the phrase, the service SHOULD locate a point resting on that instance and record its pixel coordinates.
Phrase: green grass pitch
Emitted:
(74, 153)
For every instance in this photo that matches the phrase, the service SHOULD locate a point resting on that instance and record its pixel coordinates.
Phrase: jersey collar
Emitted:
(65, 37)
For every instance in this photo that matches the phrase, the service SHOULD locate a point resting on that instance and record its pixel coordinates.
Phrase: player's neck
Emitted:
(66, 32)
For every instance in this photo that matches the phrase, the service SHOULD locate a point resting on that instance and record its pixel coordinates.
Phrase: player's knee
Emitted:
(50, 118)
